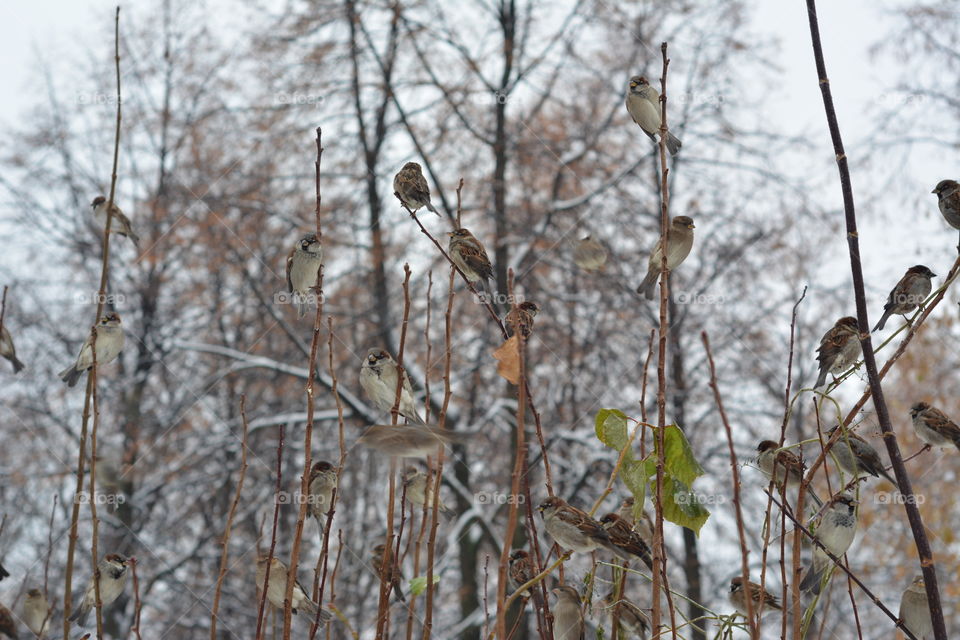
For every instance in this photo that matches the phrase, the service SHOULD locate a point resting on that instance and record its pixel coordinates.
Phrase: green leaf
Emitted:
(634, 475)
(681, 506)
(419, 584)
(679, 461)
(611, 428)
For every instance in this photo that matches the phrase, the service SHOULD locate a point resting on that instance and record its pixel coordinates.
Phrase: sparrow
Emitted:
(837, 528)
(633, 621)
(915, 610)
(415, 486)
(787, 467)
(323, 480)
(839, 349)
(37, 612)
(378, 377)
(8, 351)
(948, 195)
(521, 571)
(396, 575)
(277, 587)
(470, 257)
(567, 616)
(589, 255)
(8, 626)
(626, 538)
(681, 241)
(120, 224)
(521, 318)
(643, 105)
(411, 187)
(109, 344)
(408, 441)
(933, 427)
(908, 294)
(857, 457)
(644, 526)
(303, 270)
(573, 529)
(738, 596)
(113, 578)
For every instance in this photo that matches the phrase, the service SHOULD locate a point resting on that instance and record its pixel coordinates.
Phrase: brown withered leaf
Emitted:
(508, 360)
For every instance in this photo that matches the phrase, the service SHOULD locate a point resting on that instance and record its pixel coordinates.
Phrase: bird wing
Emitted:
(289, 267)
(475, 256)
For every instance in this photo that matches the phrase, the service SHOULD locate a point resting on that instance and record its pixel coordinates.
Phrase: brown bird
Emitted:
(948, 198)
(121, 223)
(589, 255)
(277, 589)
(782, 466)
(395, 576)
(521, 571)
(411, 187)
(857, 457)
(644, 526)
(567, 614)
(909, 293)
(303, 271)
(933, 426)
(8, 351)
(681, 242)
(633, 621)
(573, 529)
(839, 349)
(522, 317)
(915, 610)
(626, 538)
(643, 105)
(323, 480)
(8, 626)
(739, 594)
(408, 441)
(470, 257)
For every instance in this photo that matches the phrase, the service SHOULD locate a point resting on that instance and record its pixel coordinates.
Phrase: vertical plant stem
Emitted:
(273, 535)
(927, 565)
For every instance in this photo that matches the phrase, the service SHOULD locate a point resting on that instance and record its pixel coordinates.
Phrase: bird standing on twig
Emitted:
(681, 241)
(411, 187)
(643, 105)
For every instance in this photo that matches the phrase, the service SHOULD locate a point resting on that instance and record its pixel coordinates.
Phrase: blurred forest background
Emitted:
(524, 101)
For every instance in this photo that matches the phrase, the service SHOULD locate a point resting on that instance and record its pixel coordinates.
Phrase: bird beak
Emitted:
(692, 226)
(934, 191)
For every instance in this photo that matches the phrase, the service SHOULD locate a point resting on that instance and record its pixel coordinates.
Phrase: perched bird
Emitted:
(839, 349)
(740, 592)
(857, 457)
(411, 187)
(573, 529)
(8, 351)
(681, 241)
(396, 575)
(37, 612)
(837, 528)
(915, 610)
(519, 572)
(8, 625)
(589, 255)
(948, 197)
(908, 294)
(626, 538)
(109, 344)
(470, 257)
(121, 223)
(415, 485)
(378, 377)
(277, 588)
(113, 578)
(303, 270)
(521, 318)
(643, 105)
(633, 621)
(782, 466)
(643, 526)
(323, 480)
(408, 441)
(933, 427)
(567, 615)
